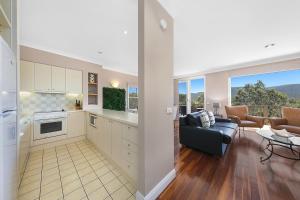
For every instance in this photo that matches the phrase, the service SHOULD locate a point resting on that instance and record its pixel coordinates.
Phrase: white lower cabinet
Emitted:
(76, 124)
(118, 141)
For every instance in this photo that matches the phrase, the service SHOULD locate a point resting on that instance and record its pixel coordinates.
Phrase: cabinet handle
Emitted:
(128, 127)
(129, 153)
(128, 145)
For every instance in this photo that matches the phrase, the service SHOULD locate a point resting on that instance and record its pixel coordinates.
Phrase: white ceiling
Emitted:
(81, 28)
(209, 34)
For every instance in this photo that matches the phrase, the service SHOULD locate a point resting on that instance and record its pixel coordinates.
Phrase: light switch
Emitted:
(169, 110)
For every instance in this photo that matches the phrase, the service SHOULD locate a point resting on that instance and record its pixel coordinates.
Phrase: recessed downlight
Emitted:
(125, 32)
(269, 45)
(100, 52)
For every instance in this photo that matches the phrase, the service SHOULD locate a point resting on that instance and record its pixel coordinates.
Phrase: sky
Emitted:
(197, 85)
(270, 79)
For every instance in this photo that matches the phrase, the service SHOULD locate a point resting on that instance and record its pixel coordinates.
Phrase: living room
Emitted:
(254, 100)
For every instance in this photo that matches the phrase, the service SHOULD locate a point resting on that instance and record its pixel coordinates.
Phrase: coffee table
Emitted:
(274, 140)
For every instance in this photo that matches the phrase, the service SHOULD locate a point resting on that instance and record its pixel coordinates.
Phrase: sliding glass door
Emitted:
(191, 95)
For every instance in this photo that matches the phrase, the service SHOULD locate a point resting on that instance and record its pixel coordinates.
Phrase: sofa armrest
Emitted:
(259, 120)
(208, 140)
(235, 119)
(277, 121)
(223, 120)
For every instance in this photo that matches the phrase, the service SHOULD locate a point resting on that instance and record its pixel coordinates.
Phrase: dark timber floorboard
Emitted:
(237, 175)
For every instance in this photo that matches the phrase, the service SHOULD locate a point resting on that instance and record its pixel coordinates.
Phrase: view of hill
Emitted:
(292, 90)
(194, 96)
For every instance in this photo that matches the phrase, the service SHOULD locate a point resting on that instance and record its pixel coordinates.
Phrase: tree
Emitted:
(261, 100)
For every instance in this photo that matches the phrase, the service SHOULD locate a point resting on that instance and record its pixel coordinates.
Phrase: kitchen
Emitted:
(61, 101)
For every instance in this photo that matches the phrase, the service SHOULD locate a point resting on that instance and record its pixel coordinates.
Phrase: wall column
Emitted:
(156, 131)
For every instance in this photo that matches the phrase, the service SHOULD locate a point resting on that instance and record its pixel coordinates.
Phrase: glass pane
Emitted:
(182, 91)
(51, 127)
(133, 103)
(266, 94)
(133, 91)
(197, 95)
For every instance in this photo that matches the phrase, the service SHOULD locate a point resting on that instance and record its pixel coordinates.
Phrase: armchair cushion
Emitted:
(290, 128)
(259, 120)
(275, 122)
(246, 123)
(238, 111)
(235, 119)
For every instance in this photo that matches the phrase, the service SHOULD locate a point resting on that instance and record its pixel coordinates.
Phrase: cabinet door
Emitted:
(107, 137)
(26, 76)
(42, 78)
(75, 124)
(58, 80)
(100, 133)
(116, 142)
(73, 81)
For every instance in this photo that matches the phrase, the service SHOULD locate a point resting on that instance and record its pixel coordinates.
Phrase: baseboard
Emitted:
(159, 188)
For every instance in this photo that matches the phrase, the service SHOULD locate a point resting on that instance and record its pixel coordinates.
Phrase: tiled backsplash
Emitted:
(42, 102)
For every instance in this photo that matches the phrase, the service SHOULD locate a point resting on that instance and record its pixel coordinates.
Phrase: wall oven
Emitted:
(49, 125)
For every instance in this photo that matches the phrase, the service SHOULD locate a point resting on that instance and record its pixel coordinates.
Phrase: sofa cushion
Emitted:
(193, 119)
(205, 120)
(227, 134)
(289, 128)
(226, 124)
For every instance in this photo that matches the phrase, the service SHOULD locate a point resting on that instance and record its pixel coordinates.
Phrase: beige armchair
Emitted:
(290, 120)
(239, 114)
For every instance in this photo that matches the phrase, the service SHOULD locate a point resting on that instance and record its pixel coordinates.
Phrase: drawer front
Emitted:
(130, 157)
(131, 170)
(130, 133)
(129, 146)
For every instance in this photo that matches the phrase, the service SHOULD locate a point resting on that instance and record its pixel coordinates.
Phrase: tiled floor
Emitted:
(74, 171)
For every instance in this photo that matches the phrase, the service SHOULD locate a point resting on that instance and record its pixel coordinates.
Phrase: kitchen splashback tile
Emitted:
(43, 102)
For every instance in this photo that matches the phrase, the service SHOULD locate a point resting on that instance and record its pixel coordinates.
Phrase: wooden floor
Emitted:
(237, 175)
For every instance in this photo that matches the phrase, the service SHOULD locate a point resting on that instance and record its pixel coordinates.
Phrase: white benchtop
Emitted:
(123, 117)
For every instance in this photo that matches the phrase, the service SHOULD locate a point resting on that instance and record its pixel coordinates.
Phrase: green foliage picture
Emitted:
(114, 99)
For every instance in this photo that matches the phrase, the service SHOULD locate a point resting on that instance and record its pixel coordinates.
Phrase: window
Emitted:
(132, 98)
(265, 94)
(191, 95)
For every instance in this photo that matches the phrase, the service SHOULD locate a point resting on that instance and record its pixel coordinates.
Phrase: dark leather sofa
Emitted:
(213, 140)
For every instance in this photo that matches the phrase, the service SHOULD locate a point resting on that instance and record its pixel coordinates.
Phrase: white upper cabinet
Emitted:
(73, 81)
(26, 76)
(42, 77)
(58, 80)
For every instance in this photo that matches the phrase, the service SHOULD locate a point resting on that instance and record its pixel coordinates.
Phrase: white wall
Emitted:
(156, 134)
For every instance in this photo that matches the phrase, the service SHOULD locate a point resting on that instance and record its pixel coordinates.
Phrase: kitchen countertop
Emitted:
(123, 117)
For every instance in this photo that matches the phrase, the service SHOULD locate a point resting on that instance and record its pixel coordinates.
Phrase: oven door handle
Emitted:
(44, 121)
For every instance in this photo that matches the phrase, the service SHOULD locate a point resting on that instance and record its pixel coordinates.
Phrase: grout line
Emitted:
(60, 178)
(77, 173)
(95, 171)
(41, 175)
(21, 179)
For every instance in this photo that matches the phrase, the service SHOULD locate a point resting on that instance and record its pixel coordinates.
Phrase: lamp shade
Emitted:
(216, 105)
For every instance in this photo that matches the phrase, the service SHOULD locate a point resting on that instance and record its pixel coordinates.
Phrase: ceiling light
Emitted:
(125, 32)
(269, 45)
(99, 52)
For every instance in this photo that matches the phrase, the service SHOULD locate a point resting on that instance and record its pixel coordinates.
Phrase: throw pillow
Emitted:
(204, 120)
(211, 118)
